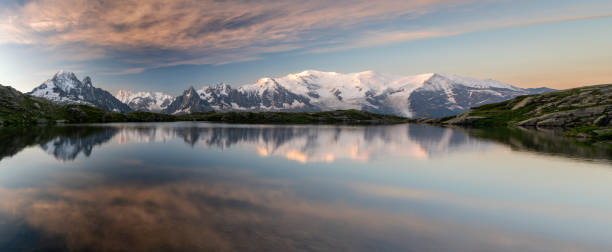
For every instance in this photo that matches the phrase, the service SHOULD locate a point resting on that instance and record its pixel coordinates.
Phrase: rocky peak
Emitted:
(65, 88)
(62, 74)
(218, 89)
(190, 92)
(87, 82)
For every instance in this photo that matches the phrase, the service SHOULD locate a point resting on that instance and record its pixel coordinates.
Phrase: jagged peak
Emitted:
(87, 81)
(221, 85)
(64, 74)
(190, 91)
(445, 79)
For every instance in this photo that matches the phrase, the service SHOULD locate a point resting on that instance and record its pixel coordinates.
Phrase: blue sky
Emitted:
(170, 45)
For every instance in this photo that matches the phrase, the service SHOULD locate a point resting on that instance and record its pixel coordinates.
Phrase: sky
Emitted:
(162, 45)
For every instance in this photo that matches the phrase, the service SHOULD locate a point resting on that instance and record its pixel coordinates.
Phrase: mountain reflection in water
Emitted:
(200, 186)
(304, 143)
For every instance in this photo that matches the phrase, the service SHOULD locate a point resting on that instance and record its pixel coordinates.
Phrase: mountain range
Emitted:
(145, 101)
(424, 95)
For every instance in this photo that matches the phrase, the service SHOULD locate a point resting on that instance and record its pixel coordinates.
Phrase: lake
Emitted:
(199, 186)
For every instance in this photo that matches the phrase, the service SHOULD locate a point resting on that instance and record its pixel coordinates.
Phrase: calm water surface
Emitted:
(200, 186)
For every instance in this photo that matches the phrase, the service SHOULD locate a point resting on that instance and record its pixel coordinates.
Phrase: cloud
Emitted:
(238, 211)
(196, 32)
(144, 34)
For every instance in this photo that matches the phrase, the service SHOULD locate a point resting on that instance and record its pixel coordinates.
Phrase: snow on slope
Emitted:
(377, 92)
(63, 82)
(65, 88)
(424, 95)
(145, 101)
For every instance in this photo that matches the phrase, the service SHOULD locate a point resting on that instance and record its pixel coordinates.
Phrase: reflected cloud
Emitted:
(237, 212)
(205, 203)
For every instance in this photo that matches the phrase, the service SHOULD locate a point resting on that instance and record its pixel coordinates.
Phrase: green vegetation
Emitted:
(584, 112)
(327, 117)
(501, 114)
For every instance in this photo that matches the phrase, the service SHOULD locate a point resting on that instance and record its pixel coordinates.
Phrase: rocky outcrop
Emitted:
(598, 115)
(585, 106)
(464, 119)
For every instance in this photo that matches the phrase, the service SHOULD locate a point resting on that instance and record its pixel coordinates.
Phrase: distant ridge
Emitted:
(145, 101)
(424, 95)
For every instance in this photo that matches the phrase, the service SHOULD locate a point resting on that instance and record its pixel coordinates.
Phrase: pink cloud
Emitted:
(219, 29)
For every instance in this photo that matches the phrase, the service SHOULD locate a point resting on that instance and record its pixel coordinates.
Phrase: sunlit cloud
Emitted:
(212, 32)
(218, 32)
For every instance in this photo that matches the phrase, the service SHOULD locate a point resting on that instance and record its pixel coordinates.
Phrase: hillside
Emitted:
(583, 112)
(327, 117)
(17, 108)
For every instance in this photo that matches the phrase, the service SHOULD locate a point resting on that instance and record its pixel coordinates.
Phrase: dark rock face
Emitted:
(189, 102)
(140, 103)
(437, 97)
(225, 98)
(66, 88)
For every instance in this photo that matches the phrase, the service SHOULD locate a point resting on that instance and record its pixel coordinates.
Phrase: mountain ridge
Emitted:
(145, 101)
(425, 95)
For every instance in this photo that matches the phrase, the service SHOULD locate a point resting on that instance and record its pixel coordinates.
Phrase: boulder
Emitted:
(523, 103)
(583, 135)
(602, 131)
(601, 121)
(464, 120)
(552, 122)
(528, 122)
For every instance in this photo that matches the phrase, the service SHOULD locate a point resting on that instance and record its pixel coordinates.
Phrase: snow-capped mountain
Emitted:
(425, 95)
(188, 102)
(66, 88)
(145, 101)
